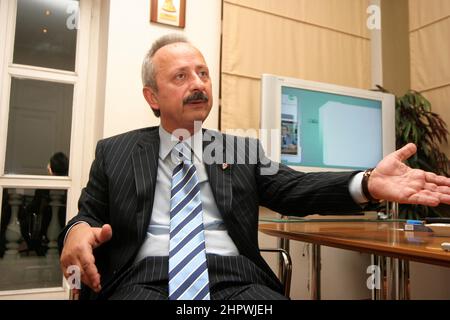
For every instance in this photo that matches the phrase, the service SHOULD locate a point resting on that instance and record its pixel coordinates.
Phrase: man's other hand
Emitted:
(78, 251)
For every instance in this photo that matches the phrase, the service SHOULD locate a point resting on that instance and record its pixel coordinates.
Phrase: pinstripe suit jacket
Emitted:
(122, 183)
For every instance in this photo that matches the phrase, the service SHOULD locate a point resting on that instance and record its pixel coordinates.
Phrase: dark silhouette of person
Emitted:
(5, 216)
(58, 165)
(35, 217)
(287, 139)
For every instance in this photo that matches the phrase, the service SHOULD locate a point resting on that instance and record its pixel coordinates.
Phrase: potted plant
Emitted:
(416, 123)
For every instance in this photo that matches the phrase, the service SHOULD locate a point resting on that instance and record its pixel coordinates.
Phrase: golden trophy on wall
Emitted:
(171, 12)
(168, 6)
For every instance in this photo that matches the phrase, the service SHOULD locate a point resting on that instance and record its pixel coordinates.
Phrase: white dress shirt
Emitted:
(156, 243)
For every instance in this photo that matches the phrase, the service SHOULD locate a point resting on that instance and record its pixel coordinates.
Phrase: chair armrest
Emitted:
(285, 272)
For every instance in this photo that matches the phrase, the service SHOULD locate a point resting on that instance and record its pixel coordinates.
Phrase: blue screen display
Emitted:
(320, 129)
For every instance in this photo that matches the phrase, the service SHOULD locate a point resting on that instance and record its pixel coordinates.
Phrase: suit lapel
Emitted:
(145, 165)
(219, 173)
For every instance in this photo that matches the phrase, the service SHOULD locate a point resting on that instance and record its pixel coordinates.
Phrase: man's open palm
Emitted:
(393, 180)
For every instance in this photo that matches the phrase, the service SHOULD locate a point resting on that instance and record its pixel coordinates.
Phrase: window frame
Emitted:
(86, 56)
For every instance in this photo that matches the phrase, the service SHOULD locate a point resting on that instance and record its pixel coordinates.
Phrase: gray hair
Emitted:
(148, 73)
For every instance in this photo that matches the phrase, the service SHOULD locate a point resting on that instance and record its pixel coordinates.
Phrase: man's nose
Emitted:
(197, 83)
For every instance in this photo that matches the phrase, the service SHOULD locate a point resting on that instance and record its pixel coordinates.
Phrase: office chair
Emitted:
(285, 268)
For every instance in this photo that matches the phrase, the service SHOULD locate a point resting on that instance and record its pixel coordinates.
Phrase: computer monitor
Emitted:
(325, 127)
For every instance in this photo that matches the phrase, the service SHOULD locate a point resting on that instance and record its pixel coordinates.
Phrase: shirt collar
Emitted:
(168, 141)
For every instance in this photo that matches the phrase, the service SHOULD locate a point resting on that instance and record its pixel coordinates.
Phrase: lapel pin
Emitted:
(225, 166)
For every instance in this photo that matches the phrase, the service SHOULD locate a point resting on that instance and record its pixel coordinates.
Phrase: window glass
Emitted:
(31, 220)
(46, 33)
(39, 127)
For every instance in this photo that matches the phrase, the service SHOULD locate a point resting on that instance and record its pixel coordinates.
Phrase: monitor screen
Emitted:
(318, 129)
(327, 127)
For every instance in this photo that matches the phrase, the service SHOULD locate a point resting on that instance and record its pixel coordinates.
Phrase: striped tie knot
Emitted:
(182, 152)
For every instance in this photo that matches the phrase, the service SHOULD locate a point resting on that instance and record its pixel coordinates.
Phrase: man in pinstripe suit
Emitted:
(123, 217)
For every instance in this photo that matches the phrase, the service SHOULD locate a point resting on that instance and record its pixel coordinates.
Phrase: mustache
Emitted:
(196, 96)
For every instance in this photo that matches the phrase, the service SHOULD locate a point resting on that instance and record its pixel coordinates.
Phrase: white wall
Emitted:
(429, 282)
(130, 36)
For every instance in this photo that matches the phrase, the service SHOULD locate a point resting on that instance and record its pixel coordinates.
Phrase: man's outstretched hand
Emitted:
(78, 251)
(393, 180)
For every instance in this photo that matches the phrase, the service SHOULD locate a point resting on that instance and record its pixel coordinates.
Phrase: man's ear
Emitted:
(151, 98)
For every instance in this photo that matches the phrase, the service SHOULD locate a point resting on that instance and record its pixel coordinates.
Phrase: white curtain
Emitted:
(430, 54)
(320, 40)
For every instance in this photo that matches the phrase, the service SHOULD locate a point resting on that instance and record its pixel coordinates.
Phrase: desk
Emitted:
(380, 238)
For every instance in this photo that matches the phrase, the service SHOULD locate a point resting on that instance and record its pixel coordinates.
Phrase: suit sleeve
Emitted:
(93, 202)
(291, 192)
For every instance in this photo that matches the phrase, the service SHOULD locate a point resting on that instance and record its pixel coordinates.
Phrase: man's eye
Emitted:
(180, 76)
(203, 74)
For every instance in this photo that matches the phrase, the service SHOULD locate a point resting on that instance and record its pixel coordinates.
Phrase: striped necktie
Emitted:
(188, 272)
